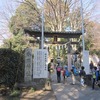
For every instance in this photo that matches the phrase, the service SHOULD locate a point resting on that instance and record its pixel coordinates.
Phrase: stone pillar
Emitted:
(69, 62)
(69, 56)
(28, 65)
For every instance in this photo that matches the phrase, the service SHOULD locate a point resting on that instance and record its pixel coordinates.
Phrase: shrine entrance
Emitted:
(72, 37)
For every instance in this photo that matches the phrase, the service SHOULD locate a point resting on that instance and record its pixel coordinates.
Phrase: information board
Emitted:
(86, 61)
(40, 63)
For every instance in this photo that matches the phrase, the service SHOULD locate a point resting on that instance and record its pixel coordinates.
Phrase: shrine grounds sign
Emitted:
(28, 65)
(40, 63)
(86, 61)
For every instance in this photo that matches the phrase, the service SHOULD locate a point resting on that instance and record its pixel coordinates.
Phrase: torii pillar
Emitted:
(69, 57)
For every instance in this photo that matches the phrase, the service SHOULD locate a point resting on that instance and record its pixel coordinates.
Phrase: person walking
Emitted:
(94, 77)
(82, 75)
(63, 74)
(58, 71)
(49, 72)
(51, 69)
(91, 66)
(73, 76)
(97, 73)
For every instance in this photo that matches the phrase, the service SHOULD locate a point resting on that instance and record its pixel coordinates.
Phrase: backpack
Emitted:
(67, 73)
(94, 74)
(58, 69)
(75, 72)
(82, 73)
(49, 65)
(63, 72)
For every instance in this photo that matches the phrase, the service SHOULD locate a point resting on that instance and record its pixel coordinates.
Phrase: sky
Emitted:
(12, 5)
(3, 6)
(97, 11)
(6, 8)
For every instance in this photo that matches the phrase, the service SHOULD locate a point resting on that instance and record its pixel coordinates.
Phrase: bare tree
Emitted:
(6, 11)
(60, 14)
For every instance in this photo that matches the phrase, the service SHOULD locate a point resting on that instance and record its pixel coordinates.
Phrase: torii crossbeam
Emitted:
(69, 34)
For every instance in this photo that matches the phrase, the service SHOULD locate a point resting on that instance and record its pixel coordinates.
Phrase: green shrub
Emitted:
(32, 89)
(11, 67)
(15, 93)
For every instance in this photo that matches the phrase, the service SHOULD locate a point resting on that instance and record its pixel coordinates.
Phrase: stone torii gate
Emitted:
(55, 35)
(69, 34)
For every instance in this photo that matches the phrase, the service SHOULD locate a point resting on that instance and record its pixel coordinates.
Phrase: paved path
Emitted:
(73, 92)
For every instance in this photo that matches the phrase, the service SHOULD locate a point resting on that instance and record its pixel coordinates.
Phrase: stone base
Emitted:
(48, 86)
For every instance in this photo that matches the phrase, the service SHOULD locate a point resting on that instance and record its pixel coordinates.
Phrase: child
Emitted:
(63, 74)
(82, 75)
(73, 77)
(58, 69)
(94, 77)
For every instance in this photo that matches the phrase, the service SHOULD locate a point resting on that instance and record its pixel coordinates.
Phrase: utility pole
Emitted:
(42, 37)
(83, 43)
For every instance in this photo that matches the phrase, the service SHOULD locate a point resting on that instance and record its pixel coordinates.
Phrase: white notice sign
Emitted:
(86, 61)
(40, 66)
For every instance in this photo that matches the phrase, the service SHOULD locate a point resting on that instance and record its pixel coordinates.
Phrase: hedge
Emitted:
(11, 67)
